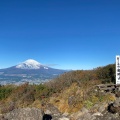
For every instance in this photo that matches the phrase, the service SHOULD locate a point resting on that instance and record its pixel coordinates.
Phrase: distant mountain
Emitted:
(29, 64)
(28, 71)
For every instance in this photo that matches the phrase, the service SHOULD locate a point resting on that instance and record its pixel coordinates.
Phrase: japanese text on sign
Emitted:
(117, 69)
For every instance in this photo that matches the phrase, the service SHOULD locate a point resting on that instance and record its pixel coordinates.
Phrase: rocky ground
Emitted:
(104, 111)
(52, 113)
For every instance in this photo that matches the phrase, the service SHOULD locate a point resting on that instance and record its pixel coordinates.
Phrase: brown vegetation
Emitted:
(69, 92)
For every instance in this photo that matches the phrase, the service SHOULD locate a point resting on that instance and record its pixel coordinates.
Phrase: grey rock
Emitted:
(97, 114)
(64, 118)
(52, 109)
(3, 118)
(24, 114)
(84, 110)
(118, 94)
(108, 116)
(102, 108)
(116, 102)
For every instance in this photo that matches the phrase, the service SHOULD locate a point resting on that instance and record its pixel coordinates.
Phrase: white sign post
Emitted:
(117, 69)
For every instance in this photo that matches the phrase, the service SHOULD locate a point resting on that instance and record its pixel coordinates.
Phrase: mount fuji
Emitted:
(28, 71)
(29, 64)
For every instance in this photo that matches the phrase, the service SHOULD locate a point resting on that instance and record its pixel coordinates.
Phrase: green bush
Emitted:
(5, 91)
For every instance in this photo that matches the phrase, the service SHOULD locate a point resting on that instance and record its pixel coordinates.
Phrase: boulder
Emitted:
(116, 102)
(64, 118)
(24, 114)
(117, 94)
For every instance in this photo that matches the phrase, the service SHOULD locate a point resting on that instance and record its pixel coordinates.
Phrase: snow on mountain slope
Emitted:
(29, 71)
(29, 64)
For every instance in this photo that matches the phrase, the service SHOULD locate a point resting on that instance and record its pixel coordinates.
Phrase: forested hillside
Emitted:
(69, 92)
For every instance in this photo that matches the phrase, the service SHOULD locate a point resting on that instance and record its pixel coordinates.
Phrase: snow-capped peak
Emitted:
(31, 61)
(29, 64)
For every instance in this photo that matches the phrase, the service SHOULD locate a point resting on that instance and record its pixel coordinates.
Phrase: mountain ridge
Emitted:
(30, 70)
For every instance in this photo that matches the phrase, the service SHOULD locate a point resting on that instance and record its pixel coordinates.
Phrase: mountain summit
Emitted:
(29, 64)
(28, 71)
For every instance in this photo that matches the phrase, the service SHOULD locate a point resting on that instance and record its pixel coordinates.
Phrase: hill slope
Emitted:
(73, 93)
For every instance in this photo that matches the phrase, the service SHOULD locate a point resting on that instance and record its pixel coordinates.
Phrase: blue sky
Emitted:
(64, 34)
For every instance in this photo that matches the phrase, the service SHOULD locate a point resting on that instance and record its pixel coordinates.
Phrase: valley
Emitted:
(29, 71)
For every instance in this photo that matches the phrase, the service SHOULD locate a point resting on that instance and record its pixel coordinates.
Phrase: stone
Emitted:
(80, 114)
(52, 109)
(118, 94)
(64, 118)
(102, 107)
(47, 112)
(116, 102)
(84, 110)
(111, 109)
(24, 114)
(3, 118)
(97, 114)
(76, 115)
